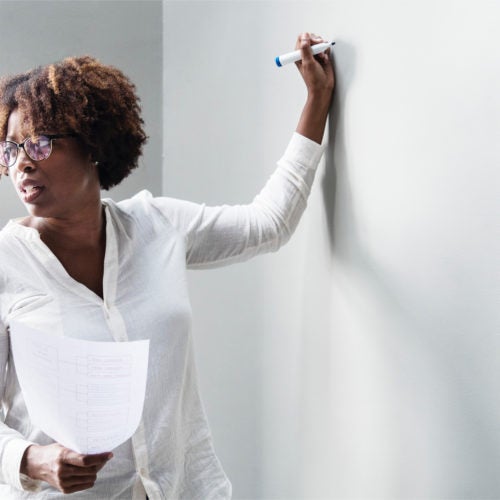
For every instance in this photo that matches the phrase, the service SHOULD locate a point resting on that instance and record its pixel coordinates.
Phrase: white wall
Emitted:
(126, 34)
(362, 360)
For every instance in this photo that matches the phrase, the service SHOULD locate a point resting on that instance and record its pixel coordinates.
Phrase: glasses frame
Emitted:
(20, 145)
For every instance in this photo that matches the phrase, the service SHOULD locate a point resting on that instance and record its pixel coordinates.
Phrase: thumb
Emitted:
(81, 460)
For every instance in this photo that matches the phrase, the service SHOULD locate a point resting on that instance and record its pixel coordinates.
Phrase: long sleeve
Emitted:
(12, 443)
(224, 234)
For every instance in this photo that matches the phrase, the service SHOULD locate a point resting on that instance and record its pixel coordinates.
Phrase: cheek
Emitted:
(11, 174)
(76, 177)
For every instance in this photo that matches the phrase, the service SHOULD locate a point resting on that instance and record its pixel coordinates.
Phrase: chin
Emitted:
(34, 211)
(38, 210)
(40, 207)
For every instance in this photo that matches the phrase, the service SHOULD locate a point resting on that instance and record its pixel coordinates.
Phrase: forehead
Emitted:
(15, 125)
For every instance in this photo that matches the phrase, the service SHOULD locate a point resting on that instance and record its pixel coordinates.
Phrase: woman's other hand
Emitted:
(66, 470)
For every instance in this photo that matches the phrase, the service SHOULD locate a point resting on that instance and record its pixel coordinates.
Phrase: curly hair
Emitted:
(82, 96)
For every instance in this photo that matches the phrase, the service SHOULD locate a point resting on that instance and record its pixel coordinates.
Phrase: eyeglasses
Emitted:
(37, 148)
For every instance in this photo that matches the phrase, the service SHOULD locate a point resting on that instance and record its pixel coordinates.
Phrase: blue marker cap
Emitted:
(278, 62)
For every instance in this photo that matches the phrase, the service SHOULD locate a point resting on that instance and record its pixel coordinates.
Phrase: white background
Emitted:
(362, 360)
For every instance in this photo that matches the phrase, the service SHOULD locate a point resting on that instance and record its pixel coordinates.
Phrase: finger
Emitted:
(69, 482)
(324, 57)
(316, 39)
(96, 459)
(99, 467)
(80, 460)
(305, 48)
(77, 487)
(304, 36)
(73, 470)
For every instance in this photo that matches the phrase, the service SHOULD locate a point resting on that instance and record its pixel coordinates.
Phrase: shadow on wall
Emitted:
(371, 284)
(336, 154)
(317, 380)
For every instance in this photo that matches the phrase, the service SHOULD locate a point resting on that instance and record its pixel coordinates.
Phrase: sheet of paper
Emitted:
(87, 396)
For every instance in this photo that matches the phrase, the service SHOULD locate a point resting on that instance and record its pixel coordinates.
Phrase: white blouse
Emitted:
(149, 244)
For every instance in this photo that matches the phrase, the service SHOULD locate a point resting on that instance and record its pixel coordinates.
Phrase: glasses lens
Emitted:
(8, 153)
(38, 148)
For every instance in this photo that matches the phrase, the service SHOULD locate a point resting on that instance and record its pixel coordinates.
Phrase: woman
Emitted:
(94, 269)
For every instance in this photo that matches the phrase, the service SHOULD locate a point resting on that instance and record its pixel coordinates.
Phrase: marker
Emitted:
(296, 55)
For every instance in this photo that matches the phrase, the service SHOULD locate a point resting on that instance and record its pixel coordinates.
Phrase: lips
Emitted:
(30, 190)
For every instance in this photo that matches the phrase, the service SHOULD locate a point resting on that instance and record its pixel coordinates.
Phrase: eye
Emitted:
(40, 141)
(8, 150)
(38, 147)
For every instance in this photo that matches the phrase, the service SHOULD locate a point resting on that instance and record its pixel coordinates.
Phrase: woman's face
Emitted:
(60, 186)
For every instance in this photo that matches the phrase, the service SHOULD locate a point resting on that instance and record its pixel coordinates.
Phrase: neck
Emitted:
(85, 229)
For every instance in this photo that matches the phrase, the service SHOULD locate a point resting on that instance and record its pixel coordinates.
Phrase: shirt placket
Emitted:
(118, 330)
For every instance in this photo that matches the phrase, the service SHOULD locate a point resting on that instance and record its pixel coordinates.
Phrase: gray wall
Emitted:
(126, 34)
(362, 360)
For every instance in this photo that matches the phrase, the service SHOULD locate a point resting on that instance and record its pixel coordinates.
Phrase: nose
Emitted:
(23, 162)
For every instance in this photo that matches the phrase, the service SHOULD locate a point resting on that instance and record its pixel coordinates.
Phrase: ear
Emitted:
(92, 161)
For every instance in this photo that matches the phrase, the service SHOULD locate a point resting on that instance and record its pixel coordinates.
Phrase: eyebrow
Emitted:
(12, 139)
